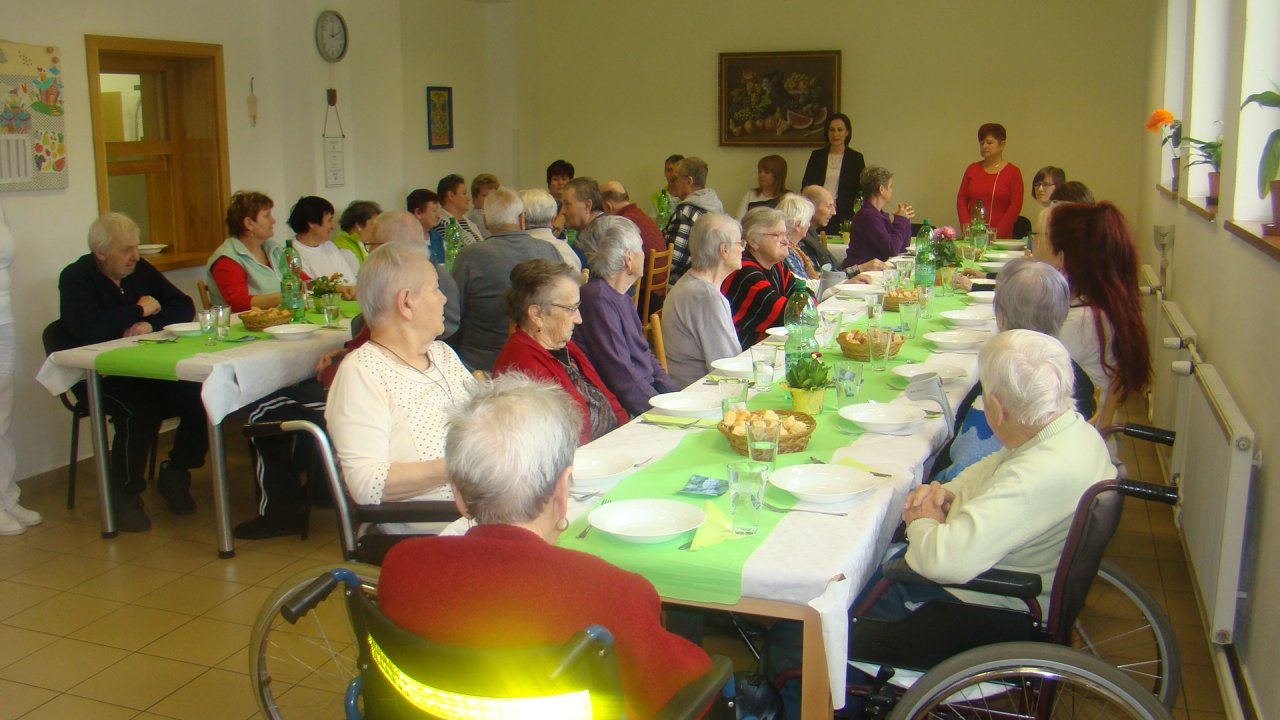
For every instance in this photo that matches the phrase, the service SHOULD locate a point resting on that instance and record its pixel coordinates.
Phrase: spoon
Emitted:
(815, 512)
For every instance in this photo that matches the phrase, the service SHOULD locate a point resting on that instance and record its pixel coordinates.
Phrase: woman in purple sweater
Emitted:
(875, 234)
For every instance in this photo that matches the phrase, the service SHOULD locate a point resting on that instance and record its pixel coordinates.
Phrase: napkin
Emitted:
(675, 420)
(855, 464)
(716, 529)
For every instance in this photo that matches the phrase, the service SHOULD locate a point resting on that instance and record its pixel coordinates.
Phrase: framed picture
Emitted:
(778, 98)
(439, 118)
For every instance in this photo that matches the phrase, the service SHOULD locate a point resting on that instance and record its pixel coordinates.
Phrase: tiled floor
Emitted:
(153, 625)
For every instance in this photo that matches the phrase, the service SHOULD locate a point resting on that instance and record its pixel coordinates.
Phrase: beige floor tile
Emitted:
(138, 681)
(236, 662)
(215, 695)
(178, 556)
(17, 643)
(1182, 607)
(1175, 575)
(132, 627)
(123, 547)
(62, 664)
(151, 716)
(63, 572)
(125, 583)
(66, 707)
(242, 608)
(296, 567)
(59, 536)
(19, 699)
(15, 558)
(191, 595)
(1132, 543)
(16, 597)
(1194, 647)
(246, 567)
(202, 641)
(63, 614)
(1200, 688)
(319, 540)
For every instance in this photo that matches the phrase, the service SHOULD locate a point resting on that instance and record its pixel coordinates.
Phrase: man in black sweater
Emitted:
(111, 293)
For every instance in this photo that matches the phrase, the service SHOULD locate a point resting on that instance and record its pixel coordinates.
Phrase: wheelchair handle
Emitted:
(263, 429)
(1142, 432)
(1149, 491)
(303, 601)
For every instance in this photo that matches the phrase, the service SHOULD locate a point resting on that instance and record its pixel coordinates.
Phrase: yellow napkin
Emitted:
(675, 420)
(716, 529)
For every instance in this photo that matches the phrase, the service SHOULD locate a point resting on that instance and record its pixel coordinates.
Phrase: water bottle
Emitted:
(978, 218)
(926, 256)
(452, 243)
(662, 205)
(292, 291)
(801, 320)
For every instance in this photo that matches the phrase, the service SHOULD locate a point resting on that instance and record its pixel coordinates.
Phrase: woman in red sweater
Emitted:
(993, 180)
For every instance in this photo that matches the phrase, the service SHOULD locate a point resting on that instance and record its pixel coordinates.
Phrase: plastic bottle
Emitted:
(452, 243)
(926, 256)
(801, 320)
(291, 288)
(978, 218)
(662, 206)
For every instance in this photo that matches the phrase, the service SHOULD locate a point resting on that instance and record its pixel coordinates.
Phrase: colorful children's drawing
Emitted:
(32, 116)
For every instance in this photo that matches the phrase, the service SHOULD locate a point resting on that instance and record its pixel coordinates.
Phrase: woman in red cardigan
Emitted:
(993, 180)
(543, 303)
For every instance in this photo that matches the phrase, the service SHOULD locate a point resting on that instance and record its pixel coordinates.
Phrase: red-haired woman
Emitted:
(993, 180)
(771, 185)
(1092, 246)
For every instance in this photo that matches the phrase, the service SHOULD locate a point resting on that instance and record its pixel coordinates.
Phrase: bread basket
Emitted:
(795, 442)
(892, 298)
(854, 344)
(259, 319)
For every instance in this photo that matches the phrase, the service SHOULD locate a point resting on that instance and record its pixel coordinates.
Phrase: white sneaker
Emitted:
(9, 525)
(25, 516)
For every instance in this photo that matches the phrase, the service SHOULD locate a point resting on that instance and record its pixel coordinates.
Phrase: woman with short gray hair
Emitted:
(697, 323)
(539, 213)
(758, 291)
(874, 233)
(798, 211)
(611, 334)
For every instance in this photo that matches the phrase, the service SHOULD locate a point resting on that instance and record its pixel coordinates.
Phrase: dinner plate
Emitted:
(948, 373)
(1000, 255)
(957, 339)
(151, 249)
(991, 267)
(983, 284)
(646, 521)
(1010, 244)
(823, 483)
(973, 317)
(875, 276)
(687, 404)
(858, 290)
(984, 297)
(882, 417)
(778, 332)
(186, 329)
(733, 366)
(592, 468)
(292, 331)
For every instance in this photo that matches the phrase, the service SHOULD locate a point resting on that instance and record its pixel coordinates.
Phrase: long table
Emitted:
(811, 567)
(231, 375)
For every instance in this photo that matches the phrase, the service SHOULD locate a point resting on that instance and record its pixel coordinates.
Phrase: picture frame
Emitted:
(778, 98)
(439, 117)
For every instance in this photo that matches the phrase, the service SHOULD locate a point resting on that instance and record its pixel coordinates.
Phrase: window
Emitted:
(1209, 54)
(1261, 73)
(160, 141)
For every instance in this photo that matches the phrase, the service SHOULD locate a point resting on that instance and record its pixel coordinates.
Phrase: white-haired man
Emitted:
(695, 199)
(540, 212)
(483, 273)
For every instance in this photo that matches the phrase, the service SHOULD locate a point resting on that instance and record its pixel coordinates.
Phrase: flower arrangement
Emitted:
(1161, 119)
(1269, 163)
(809, 373)
(946, 232)
(327, 285)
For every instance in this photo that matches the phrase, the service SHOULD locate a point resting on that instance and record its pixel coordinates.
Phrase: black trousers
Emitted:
(136, 407)
(279, 460)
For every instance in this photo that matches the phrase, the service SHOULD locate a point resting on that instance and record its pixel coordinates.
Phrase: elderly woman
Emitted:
(837, 168)
(387, 411)
(771, 185)
(611, 334)
(352, 223)
(697, 323)
(797, 211)
(244, 271)
(993, 180)
(539, 211)
(1030, 295)
(758, 290)
(505, 583)
(875, 234)
(1091, 245)
(543, 304)
(312, 219)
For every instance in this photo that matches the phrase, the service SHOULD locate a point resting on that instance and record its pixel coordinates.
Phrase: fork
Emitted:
(777, 509)
(670, 425)
(587, 529)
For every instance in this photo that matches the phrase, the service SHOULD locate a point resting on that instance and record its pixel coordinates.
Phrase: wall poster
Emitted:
(778, 98)
(33, 153)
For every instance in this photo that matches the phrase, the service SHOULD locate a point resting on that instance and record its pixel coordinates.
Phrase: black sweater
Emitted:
(94, 309)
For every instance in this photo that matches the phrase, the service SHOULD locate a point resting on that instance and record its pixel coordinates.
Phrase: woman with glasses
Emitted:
(543, 304)
(1047, 179)
(875, 233)
(758, 290)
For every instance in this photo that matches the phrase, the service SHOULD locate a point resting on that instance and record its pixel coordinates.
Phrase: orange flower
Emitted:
(1159, 119)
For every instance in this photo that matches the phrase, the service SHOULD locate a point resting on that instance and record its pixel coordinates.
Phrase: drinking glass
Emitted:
(982, 240)
(875, 309)
(746, 490)
(764, 360)
(828, 326)
(207, 325)
(733, 394)
(848, 384)
(222, 321)
(910, 312)
(880, 340)
(948, 276)
(924, 298)
(889, 277)
(762, 439)
(906, 271)
(332, 314)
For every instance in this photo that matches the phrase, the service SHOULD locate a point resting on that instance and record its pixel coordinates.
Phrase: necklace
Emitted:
(424, 373)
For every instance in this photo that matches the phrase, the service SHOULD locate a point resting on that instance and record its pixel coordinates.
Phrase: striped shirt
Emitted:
(757, 297)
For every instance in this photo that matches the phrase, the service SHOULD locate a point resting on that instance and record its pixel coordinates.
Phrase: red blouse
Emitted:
(1000, 192)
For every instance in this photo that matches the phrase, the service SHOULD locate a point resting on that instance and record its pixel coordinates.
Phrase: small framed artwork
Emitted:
(778, 98)
(439, 118)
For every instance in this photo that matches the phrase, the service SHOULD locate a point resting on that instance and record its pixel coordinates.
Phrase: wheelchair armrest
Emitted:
(413, 511)
(1141, 432)
(1009, 583)
(263, 429)
(693, 698)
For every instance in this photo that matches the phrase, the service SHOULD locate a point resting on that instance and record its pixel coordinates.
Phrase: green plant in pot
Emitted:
(1269, 163)
(1208, 152)
(807, 380)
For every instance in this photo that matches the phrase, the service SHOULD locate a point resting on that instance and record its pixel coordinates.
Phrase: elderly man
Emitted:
(581, 204)
(539, 213)
(425, 206)
(112, 293)
(610, 333)
(483, 273)
(814, 242)
(695, 199)
(455, 201)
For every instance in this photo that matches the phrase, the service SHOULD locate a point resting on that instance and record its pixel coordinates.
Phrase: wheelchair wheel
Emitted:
(1123, 625)
(1035, 681)
(302, 670)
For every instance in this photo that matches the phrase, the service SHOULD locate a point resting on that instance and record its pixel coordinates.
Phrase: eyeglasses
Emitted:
(571, 309)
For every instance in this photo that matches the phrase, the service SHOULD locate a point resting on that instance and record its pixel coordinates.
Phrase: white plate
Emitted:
(1010, 244)
(948, 373)
(957, 339)
(985, 297)
(687, 404)
(1000, 256)
(882, 417)
(186, 329)
(992, 267)
(292, 331)
(733, 367)
(594, 468)
(973, 317)
(858, 290)
(778, 332)
(984, 284)
(646, 521)
(151, 249)
(875, 276)
(823, 483)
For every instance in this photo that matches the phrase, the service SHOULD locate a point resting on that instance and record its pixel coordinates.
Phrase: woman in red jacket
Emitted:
(543, 303)
(993, 180)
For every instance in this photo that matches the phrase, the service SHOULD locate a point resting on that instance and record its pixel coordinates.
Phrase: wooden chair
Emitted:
(657, 273)
(654, 332)
(203, 289)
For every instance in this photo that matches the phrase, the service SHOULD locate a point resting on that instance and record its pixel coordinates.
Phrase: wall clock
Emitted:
(331, 36)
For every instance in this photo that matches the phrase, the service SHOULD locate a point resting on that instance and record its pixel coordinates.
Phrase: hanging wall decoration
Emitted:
(33, 152)
(439, 118)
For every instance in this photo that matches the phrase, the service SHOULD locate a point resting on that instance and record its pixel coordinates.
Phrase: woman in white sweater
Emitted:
(697, 322)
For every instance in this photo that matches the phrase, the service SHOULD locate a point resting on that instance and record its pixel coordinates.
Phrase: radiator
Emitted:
(1172, 342)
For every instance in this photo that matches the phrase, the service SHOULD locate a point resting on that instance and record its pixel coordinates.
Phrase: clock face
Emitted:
(331, 36)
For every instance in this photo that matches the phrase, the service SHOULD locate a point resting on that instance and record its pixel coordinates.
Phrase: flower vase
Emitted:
(1173, 179)
(806, 400)
(1273, 228)
(1211, 202)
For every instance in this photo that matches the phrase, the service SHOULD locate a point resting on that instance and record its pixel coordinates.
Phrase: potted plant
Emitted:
(326, 290)
(807, 380)
(1208, 152)
(1162, 121)
(1269, 163)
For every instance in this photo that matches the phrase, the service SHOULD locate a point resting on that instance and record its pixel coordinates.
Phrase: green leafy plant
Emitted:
(1269, 163)
(327, 285)
(809, 373)
(1209, 153)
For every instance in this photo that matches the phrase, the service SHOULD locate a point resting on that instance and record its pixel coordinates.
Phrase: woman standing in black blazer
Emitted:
(837, 168)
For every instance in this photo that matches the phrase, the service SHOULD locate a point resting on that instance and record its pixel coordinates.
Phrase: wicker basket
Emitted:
(262, 319)
(794, 442)
(891, 300)
(862, 350)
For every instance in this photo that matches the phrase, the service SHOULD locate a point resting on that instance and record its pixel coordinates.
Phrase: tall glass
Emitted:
(208, 325)
(848, 383)
(948, 276)
(764, 362)
(733, 394)
(924, 298)
(762, 440)
(828, 325)
(222, 319)
(909, 310)
(880, 340)
(889, 278)
(746, 491)
(875, 309)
